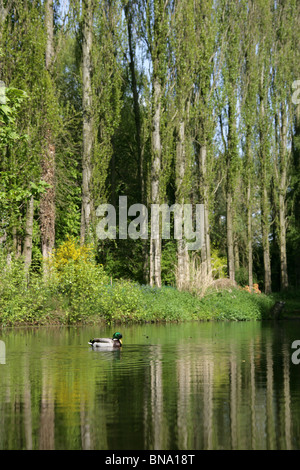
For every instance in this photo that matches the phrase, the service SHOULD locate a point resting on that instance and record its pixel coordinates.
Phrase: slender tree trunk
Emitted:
(282, 242)
(205, 251)
(230, 155)
(265, 209)
(4, 10)
(236, 255)
(155, 244)
(282, 204)
(249, 189)
(249, 237)
(229, 230)
(265, 240)
(47, 205)
(17, 240)
(27, 248)
(250, 84)
(183, 277)
(87, 135)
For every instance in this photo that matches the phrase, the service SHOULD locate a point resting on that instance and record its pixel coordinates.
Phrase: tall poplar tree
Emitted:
(285, 22)
(25, 49)
(231, 83)
(264, 132)
(249, 115)
(208, 58)
(87, 124)
(157, 31)
(184, 66)
(131, 14)
(47, 204)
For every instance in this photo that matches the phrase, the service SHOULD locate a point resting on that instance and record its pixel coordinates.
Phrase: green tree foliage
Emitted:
(191, 102)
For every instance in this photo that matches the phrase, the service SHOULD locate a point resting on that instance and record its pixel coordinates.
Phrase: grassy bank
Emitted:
(77, 291)
(125, 302)
(83, 293)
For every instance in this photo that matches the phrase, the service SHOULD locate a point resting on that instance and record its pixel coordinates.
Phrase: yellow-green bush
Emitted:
(71, 251)
(77, 280)
(218, 264)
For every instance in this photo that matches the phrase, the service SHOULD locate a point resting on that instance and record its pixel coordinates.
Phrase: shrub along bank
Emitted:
(76, 290)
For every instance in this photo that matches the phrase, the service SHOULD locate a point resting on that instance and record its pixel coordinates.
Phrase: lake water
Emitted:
(172, 387)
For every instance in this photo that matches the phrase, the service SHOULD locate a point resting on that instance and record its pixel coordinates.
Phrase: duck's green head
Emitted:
(117, 336)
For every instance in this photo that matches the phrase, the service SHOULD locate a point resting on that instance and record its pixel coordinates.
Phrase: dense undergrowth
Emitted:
(77, 290)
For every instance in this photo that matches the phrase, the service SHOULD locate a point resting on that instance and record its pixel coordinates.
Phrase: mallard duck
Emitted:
(114, 342)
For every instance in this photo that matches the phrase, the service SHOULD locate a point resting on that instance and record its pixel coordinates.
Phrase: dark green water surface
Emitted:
(176, 386)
